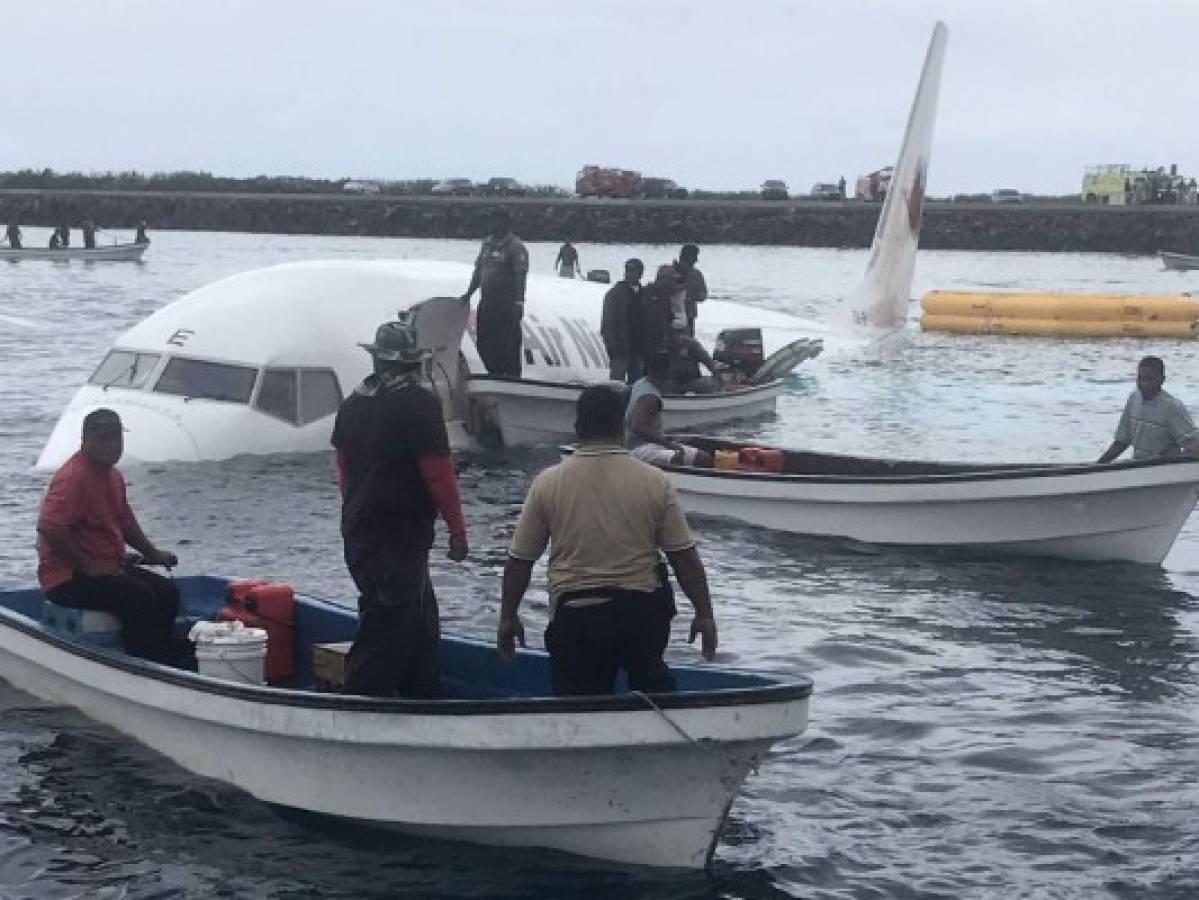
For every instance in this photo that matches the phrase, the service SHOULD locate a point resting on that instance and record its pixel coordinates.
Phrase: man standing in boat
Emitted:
(620, 324)
(1154, 423)
(606, 518)
(84, 525)
(64, 235)
(13, 233)
(395, 473)
(694, 287)
(89, 234)
(500, 273)
(141, 237)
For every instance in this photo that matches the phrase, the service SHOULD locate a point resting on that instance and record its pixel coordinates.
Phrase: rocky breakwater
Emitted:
(947, 226)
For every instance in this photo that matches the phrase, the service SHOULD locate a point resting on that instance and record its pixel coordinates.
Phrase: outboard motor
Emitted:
(740, 348)
(600, 275)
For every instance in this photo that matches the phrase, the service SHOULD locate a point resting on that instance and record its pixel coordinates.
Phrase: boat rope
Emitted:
(669, 721)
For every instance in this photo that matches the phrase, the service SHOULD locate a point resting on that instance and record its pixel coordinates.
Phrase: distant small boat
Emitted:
(631, 778)
(1179, 261)
(1131, 511)
(107, 253)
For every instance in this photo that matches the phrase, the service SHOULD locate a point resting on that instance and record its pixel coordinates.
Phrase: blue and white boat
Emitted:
(631, 778)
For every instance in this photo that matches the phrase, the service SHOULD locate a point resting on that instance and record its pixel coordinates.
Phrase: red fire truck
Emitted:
(601, 181)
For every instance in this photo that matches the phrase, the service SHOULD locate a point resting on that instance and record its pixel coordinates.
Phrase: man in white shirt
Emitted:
(1154, 422)
(606, 518)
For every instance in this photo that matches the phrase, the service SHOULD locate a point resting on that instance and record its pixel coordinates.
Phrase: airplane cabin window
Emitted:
(320, 395)
(277, 396)
(200, 380)
(125, 368)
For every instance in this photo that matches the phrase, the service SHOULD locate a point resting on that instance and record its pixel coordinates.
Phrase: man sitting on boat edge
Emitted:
(1154, 422)
(605, 517)
(83, 527)
(643, 421)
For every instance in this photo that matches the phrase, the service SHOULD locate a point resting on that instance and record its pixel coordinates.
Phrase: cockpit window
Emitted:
(277, 396)
(125, 368)
(201, 380)
(320, 395)
(298, 396)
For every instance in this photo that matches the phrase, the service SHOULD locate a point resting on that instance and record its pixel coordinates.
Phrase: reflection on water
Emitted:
(980, 727)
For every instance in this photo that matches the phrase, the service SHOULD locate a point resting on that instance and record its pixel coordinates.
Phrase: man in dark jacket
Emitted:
(500, 272)
(395, 474)
(621, 324)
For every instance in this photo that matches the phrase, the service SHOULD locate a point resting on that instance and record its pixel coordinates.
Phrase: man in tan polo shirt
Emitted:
(605, 516)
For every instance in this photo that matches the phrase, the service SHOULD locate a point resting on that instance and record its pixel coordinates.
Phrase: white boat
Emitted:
(1130, 511)
(629, 778)
(1179, 261)
(528, 412)
(102, 253)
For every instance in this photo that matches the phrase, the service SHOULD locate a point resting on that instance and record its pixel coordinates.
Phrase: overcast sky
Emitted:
(713, 93)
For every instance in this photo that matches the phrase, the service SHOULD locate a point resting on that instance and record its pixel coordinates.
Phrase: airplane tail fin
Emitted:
(881, 298)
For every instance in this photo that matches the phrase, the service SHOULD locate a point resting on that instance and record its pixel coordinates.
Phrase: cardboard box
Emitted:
(329, 664)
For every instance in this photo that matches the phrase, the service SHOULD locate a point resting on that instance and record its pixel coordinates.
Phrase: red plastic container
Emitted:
(270, 606)
(762, 459)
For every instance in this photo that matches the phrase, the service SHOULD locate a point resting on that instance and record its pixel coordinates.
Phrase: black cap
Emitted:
(101, 421)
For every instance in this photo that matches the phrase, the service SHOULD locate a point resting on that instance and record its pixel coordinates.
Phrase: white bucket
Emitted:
(230, 651)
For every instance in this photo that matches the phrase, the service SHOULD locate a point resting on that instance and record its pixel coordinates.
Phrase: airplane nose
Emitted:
(150, 436)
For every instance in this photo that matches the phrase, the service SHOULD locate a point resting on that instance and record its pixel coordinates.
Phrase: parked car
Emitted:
(661, 189)
(826, 191)
(774, 190)
(1006, 195)
(454, 187)
(502, 187)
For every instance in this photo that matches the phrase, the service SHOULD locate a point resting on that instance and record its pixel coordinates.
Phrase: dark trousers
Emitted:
(498, 338)
(396, 650)
(145, 603)
(589, 645)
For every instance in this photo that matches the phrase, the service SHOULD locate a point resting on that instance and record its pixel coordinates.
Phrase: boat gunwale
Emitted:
(999, 472)
(747, 390)
(794, 688)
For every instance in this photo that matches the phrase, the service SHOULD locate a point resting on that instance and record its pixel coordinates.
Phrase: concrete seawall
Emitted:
(947, 226)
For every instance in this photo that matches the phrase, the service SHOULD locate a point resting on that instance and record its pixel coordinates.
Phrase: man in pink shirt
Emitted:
(84, 525)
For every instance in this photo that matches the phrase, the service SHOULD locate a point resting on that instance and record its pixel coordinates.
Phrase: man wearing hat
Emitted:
(396, 474)
(84, 525)
(500, 273)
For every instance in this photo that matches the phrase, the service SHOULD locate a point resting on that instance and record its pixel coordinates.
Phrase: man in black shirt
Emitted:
(395, 473)
(500, 271)
(621, 324)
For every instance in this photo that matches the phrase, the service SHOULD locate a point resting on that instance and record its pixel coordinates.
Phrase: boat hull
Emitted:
(108, 253)
(634, 785)
(1132, 513)
(526, 413)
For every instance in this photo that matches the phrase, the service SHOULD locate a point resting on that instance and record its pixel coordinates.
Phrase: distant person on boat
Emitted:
(621, 323)
(55, 240)
(606, 519)
(1154, 423)
(141, 237)
(395, 474)
(500, 272)
(686, 356)
(643, 420)
(13, 233)
(567, 261)
(695, 288)
(83, 527)
(88, 227)
(64, 235)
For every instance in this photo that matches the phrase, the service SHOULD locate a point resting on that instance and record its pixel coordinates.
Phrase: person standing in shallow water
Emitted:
(1154, 423)
(395, 474)
(141, 237)
(567, 261)
(501, 270)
